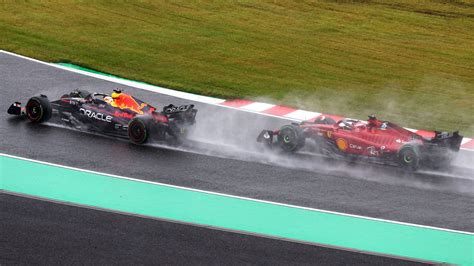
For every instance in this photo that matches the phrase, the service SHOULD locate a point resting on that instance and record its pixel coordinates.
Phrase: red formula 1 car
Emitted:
(118, 114)
(383, 141)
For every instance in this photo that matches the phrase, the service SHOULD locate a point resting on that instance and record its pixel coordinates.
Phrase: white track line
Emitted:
(237, 197)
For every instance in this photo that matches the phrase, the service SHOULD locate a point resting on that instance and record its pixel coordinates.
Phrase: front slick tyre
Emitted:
(139, 130)
(38, 109)
(291, 138)
(408, 158)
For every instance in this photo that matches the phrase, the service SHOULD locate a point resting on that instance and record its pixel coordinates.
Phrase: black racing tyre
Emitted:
(38, 109)
(409, 158)
(291, 138)
(139, 130)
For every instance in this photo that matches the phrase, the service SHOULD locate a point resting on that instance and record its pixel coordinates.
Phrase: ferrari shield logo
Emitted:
(329, 134)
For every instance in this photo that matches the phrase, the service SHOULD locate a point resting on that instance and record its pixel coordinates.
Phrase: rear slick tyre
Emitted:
(408, 158)
(38, 109)
(138, 131)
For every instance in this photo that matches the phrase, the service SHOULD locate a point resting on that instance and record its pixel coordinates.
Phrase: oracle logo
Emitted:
(96, 115)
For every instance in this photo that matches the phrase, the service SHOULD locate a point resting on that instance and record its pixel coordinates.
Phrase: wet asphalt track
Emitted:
(225, 164)
(46, 233)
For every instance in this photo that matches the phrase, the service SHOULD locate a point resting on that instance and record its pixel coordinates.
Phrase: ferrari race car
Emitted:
(382, 141)
(119, 115)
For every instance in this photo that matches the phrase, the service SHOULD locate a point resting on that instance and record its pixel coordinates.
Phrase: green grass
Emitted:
(412, 63)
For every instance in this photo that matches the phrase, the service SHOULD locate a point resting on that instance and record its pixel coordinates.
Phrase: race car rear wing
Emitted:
(450, 140)
(184, 113)
(172, 109)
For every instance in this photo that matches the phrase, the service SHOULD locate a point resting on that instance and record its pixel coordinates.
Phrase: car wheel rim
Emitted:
(137, 131)
(288, 137)
(407, 158)
(34, 110)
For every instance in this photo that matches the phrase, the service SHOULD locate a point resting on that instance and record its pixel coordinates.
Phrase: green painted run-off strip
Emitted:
(85, 69)
(93, 189)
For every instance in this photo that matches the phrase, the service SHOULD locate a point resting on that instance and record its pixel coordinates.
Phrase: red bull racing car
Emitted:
(374, 139)
(118, 114)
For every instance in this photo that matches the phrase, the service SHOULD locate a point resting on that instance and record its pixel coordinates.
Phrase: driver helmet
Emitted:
(372, 117)
(116, 93)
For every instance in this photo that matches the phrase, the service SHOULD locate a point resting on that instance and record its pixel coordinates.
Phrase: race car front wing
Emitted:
(16, 109)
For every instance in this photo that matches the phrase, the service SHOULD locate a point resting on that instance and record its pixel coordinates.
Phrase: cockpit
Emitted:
(96, 97)
(359, 125)
(350, 124)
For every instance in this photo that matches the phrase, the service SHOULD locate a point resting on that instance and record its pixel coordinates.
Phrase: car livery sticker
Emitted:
(96, 115)
(355, 147)
(341, 144)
